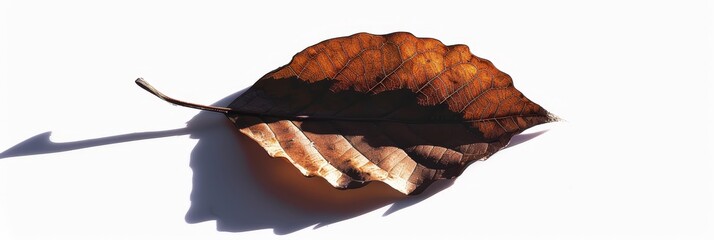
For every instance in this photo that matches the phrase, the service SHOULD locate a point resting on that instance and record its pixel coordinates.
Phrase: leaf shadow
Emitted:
(238, 185)
(241, 188)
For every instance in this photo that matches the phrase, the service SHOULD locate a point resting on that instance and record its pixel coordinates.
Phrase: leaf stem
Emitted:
(146, 86)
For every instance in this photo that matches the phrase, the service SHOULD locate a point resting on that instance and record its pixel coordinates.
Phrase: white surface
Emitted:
(632, 78)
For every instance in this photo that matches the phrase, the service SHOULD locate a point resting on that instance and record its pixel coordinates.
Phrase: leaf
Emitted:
(393, 108)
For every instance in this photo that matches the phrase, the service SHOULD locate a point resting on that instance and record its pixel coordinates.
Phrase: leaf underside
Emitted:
(393, 108)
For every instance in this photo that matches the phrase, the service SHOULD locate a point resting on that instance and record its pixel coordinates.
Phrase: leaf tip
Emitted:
(554, 118)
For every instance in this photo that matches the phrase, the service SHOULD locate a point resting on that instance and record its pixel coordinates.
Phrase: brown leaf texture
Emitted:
(394, 108)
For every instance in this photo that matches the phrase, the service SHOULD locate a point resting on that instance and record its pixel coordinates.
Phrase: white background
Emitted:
(633, 79)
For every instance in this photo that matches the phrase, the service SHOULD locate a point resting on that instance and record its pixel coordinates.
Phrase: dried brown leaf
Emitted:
(394, 108)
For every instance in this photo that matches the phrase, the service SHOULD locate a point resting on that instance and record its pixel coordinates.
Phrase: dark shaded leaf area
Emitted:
(394, 108)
